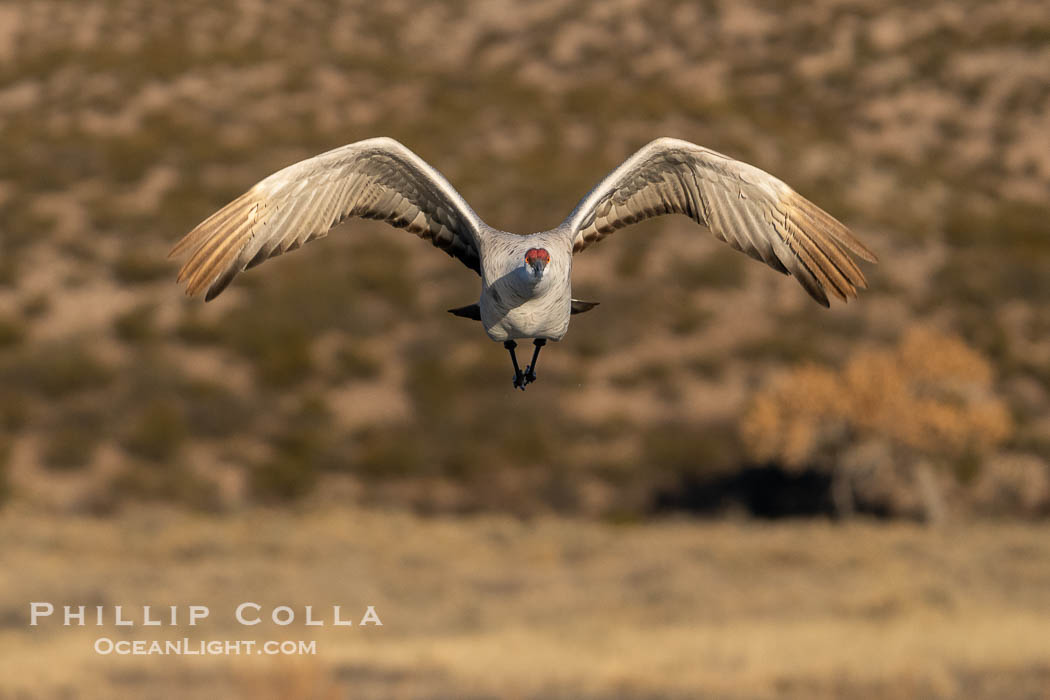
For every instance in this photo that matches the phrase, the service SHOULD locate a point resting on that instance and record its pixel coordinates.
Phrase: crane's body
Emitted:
(517, 303)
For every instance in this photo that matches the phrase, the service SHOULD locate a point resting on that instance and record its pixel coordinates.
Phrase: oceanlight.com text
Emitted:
(105, 646)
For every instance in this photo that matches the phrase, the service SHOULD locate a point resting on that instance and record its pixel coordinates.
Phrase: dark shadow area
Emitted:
(767, 491)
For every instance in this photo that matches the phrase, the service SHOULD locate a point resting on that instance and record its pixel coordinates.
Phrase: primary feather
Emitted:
(748, 208)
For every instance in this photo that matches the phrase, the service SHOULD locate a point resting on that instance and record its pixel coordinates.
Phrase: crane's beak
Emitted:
(538, 265)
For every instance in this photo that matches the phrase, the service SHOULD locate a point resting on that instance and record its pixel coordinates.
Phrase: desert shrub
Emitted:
(927, 401)
(58, 370)
(432, 378)
(631, 261)
(355, 288)
(353, 364)
(36, 306)
(374, 271)
(300, 452)
(685, 318)
(287, 475)
(71, 445)
(8, 271)
(706, 367)
(136, 325)
(790, 344)
(386, 453)
(1013, 484)
(5, 484)
(157, 432)
(11, 332)
(1019, 226)
(279, 348)
(14, 410)
(136, 267)
(657, 376)
(83, 250)
(192, 329)
(719, 270)
(212, 410)
(678, 449)
(176, 483)
(275, 327)
(1014, 233)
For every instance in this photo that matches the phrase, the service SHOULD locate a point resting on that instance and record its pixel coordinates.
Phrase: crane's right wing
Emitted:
(374, 179)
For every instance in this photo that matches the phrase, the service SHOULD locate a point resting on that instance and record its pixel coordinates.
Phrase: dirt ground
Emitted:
(501, 607)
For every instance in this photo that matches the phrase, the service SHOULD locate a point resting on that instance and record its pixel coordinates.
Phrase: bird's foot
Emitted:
(519, 376)
(523, 379)
(530, 371)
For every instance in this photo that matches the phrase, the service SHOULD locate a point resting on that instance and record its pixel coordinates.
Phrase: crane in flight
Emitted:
(526, 280)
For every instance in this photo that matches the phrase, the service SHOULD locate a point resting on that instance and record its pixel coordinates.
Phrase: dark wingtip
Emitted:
(471, 311)
(217, 288)
(817, 294)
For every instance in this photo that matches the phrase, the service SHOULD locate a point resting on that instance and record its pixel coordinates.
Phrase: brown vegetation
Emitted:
(884, 418)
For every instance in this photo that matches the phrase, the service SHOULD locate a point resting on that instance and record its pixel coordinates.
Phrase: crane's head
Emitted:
(536, 261)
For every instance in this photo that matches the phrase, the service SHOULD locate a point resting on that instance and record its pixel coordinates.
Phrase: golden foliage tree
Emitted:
(896, 411)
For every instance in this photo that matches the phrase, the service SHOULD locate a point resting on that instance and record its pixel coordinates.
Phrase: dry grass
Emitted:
(492, 606)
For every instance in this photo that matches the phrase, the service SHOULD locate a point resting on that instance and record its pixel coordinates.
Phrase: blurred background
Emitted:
(717, 487)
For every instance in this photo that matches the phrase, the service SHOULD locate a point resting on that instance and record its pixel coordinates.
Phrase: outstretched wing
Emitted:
(746, 207)
(373, 179)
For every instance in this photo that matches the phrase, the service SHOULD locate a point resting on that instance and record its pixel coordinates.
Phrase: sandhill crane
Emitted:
(525, 280)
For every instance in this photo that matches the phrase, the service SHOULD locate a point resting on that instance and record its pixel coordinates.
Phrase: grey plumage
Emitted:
(473, 311)
(379, 178)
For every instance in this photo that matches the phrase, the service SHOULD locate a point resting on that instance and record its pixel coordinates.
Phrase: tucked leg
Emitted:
(519, 377)
(530, 371)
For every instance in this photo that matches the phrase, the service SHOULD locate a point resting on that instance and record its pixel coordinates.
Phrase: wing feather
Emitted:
(747, 208)
(375, 179)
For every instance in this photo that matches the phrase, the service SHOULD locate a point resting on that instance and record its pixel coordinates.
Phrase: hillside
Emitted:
(925, 128)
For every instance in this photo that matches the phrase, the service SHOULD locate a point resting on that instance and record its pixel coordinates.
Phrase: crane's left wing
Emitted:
(748, 208)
